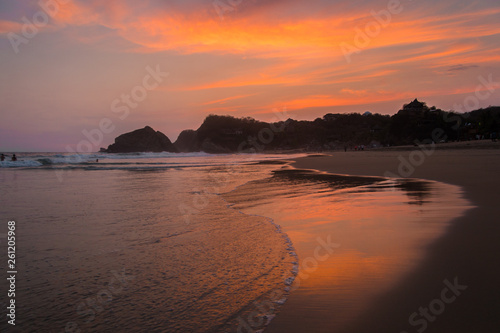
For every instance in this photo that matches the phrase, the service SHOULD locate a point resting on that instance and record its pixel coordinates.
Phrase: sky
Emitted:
(75, 72)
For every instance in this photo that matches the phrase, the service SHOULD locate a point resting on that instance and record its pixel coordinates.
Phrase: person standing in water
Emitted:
(14, 158)
(2, 158)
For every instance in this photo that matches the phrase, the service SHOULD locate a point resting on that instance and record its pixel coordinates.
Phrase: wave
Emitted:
(132, 161)
(20, 164)
(149, 155)
(34, 160)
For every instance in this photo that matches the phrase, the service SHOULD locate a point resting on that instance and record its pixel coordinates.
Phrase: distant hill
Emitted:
(414, 123)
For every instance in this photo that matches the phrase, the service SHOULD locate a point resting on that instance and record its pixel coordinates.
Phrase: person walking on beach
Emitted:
(2, 158)
(14, 158)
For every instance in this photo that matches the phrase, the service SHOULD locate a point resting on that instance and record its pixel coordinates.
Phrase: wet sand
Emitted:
(466, 255)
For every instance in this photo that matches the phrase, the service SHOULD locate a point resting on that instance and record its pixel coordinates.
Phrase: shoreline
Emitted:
(466, 253)
(277, 295)
(337, 203)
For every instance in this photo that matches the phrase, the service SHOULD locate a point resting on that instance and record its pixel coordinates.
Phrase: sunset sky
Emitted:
(85, 61)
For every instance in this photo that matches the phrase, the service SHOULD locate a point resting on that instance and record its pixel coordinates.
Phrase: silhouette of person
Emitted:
(14, 158)
(2, 158)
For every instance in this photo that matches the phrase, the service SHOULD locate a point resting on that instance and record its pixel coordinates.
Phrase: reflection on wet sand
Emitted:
(355, 236)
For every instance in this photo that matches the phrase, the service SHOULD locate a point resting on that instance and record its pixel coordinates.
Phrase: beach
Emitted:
(234, 166)
(464, 258)
(241, 243)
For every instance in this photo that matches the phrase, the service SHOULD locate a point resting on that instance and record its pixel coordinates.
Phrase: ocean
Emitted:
(161, 242)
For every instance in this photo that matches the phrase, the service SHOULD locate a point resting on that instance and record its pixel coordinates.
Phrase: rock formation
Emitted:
(142, 140)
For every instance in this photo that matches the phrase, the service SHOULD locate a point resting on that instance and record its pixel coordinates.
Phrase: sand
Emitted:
(469, 251)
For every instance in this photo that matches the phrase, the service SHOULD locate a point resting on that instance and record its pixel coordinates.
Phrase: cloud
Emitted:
(265, 28)
(354, 92)
(227, 99)
(261, 55)
(9, 26)
(461, 67)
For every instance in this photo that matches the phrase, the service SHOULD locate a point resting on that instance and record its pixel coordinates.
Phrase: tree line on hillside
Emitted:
(414, 123)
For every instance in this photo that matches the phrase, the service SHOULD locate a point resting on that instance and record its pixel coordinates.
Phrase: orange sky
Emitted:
(244, 60)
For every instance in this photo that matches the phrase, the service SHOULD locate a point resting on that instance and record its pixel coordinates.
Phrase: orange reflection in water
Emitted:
(377, 231)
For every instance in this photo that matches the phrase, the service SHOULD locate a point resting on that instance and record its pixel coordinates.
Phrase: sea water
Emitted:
(136, 242)
(188, 242)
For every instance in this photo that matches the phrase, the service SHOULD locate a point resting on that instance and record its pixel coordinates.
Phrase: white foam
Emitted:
(281, 301)
(127, 156)
(269, 319)
(20, 164)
